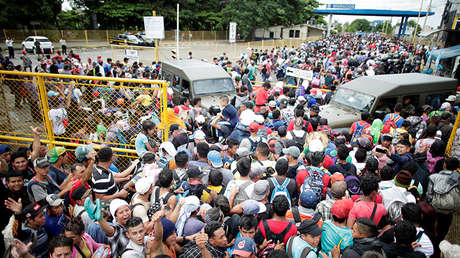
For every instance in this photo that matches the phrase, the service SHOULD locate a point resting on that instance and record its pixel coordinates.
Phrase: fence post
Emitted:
(164, 109)
(202, 35)
(2, 92)
(45, 110)
(452, 135)
(262, 48)
(107, 35)
(157, 55)
(86, 38)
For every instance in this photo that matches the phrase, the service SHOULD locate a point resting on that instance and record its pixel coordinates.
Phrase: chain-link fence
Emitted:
(76, 110)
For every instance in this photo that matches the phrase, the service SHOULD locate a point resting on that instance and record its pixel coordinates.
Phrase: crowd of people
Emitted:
(262, 174)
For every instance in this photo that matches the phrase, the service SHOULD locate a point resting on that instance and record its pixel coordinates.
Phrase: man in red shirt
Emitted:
(278, 229)
(262, 96)
(366, 207)
(81, 173)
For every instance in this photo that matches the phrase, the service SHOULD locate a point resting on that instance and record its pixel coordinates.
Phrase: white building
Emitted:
(295, 31)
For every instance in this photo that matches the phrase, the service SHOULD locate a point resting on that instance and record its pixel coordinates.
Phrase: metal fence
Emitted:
(106, 35)
(75, 110)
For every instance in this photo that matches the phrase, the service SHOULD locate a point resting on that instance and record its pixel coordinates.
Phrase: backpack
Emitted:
(391, 123)
(304, 253)
(358, 132)
(299, 141)
(314, 182)
(276, 238)
(280, 189)
(156, 206)
(447, 203)
(254, 143)
(262, 133)
(242, 195)
(431, 161)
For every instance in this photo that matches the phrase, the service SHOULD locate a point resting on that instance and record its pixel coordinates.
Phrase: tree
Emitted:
(413, 24)
(338, 27)
(384, 27)
(360, 25)
(252, 14)
(20, 13)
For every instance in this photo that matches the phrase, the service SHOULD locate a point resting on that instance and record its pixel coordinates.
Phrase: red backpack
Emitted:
(391, 123)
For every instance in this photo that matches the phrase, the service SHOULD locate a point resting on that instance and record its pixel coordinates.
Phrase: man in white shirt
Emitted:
(9, 43)
(63, 46)
(137, 239)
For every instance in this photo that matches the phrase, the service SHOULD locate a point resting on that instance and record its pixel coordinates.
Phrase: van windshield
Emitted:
(353, 99)
(211, 86)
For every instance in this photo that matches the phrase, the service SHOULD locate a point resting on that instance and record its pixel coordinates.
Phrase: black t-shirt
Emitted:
(346, 169)
(291, 187)
(292, 171)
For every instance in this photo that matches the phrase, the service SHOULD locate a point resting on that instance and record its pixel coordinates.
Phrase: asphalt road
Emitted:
(200, 50)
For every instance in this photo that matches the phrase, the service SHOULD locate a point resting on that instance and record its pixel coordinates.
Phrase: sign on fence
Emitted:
(154, 27)
(232, 32)
(340, 6)
(304, 74)
(132, 54)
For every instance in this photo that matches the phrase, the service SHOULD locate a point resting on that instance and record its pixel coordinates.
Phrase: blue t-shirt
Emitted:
(298, 244)
(141, 139)
(57, 175)
(55, 225)
(332, 235)
(230, 112)
(397, 118)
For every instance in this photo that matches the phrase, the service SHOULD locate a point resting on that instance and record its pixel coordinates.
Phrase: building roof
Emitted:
(372, 12)
(445, 52)
(406, 83)
(195, 69)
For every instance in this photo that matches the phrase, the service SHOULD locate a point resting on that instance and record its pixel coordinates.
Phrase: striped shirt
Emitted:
(103, 181)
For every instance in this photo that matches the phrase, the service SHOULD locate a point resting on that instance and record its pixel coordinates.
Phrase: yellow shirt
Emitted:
(205, 195)
(146, 100)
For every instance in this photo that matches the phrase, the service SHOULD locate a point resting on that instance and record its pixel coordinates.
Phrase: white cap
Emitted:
(200, 119)
(169, 148)
(247, 117)
(144, 184)
(259, 119)
(199, 135)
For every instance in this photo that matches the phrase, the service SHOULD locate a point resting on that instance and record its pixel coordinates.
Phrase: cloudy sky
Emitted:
(437, 6)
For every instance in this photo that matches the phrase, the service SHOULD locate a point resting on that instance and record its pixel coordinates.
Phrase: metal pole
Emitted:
(157, 55)
(86, 38)
(427, 13)
(418, 19)
(177, 33)
(452, 135)
(329, 25)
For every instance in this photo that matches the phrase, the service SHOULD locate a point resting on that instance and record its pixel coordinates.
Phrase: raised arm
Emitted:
(36, 143)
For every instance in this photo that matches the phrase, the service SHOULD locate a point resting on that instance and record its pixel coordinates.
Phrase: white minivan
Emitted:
(45, 44)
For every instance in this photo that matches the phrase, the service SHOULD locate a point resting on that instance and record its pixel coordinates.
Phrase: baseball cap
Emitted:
(174, 127)
(81, 152)
(445, 106)
(194, 172)
(310, 227)
(143, 185)
(341, 208)
(364, 142)
(54, 200)
(41, 162)
(315, 108)
(260, 190)
(252, 207)
(32, 210)
(259, 119)
(451, 98)
(253, 127)
(215, 159)
(293, 151)
(79, 193)
(308, 199)
(4, 148)
(337, 176)
(242, 151)
(272, 103)
(55, 153)
(301, 98)
(245, 247)
(367, 221)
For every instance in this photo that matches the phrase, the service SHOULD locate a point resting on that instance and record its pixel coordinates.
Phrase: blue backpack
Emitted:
(358, 132)
(280, 190)
(314, 182)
